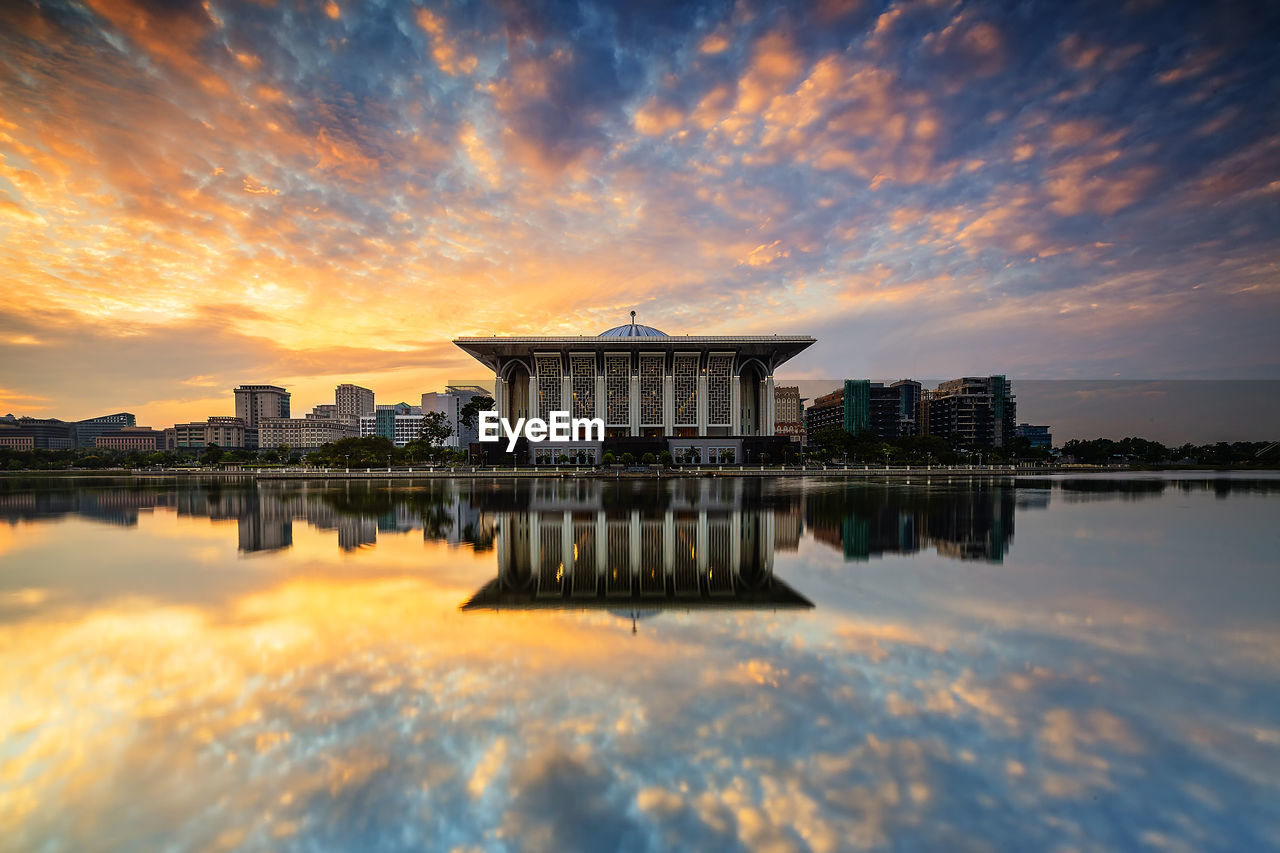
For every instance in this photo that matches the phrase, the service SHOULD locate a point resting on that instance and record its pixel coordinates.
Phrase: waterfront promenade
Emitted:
(615, 472)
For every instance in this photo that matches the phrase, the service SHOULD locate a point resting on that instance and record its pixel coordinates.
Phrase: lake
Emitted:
(719, 663)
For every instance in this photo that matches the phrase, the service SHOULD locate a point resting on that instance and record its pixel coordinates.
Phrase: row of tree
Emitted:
(1140, 451)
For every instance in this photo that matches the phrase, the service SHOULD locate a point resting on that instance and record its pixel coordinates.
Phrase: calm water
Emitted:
(1039, 664)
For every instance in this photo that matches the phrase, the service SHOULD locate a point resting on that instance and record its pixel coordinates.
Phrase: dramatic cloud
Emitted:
(1054, 192)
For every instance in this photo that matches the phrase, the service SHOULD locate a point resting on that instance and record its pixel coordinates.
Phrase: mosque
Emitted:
(703, 398)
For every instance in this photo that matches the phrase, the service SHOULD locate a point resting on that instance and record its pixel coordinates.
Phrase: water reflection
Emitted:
(679, 558)
(1112, 683)
(859, 520)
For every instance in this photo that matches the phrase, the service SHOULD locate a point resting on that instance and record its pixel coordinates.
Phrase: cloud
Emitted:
(391, 178)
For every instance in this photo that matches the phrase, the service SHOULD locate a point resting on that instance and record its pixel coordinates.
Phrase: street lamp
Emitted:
(388, 463)
(347, 457)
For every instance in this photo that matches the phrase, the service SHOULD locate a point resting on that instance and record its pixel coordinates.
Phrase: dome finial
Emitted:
(633, 318)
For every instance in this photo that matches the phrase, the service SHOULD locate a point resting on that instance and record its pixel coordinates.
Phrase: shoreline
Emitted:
(481, 473)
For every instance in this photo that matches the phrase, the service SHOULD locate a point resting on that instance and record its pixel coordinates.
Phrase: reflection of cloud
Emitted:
(357, 702)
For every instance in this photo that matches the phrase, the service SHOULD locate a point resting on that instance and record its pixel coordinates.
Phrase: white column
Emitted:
(599, 392)
(500, 395)
(769, 406)
(633, 404)
(566, 393)
(735, 405)
(702, 403)
(668, 402)
(533, 395)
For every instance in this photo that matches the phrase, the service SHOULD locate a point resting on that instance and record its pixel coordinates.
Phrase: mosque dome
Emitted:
(633, 330)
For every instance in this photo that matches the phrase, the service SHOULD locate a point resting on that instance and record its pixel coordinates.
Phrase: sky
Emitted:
(198, 195)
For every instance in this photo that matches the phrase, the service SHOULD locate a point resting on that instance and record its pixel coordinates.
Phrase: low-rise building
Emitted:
(189, 436)
(11, 438)
(788, 408)
(132, 438)
(45, 433)
(1037, 435)
(226, 432)
(301, 433)
(90, 428)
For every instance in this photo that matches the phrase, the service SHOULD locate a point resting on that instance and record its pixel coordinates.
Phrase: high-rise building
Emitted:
(889, 411)
(87, 430)
(788, 409)
(978, 411)
(255, 402)
(908, 406)
(352, 401)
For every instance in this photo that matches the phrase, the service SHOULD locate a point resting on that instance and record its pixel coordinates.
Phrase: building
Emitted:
(352, 402)
(87, 430)
(45, 433)
(713, 393)
(826, 411)
(323, 412)
(975, 411)
(227, 432)
(188, 436)
(301, 433)
(788, 409)
(450, 403)
(1038, 436)
(401, 426)
(12, 439)
(255, 402)
(909, 415)
(132, 438)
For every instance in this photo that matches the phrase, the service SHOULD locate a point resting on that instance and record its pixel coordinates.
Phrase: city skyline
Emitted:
(193, 197)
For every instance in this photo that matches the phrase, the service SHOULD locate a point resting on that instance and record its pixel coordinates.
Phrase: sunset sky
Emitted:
(196, 195)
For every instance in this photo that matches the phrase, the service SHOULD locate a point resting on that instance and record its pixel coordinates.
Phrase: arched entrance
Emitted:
(516, 404)
(751, 414)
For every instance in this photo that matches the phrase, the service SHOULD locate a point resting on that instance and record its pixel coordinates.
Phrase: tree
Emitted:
(665, 457)
(648, 458)
(471, 411)
(436, 428)
(212, 454)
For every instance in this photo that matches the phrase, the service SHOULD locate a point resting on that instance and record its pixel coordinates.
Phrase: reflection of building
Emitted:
(866, 521)
(647, 387)
(636, 560)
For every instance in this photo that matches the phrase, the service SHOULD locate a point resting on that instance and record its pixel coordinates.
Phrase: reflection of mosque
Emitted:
(673, 558)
